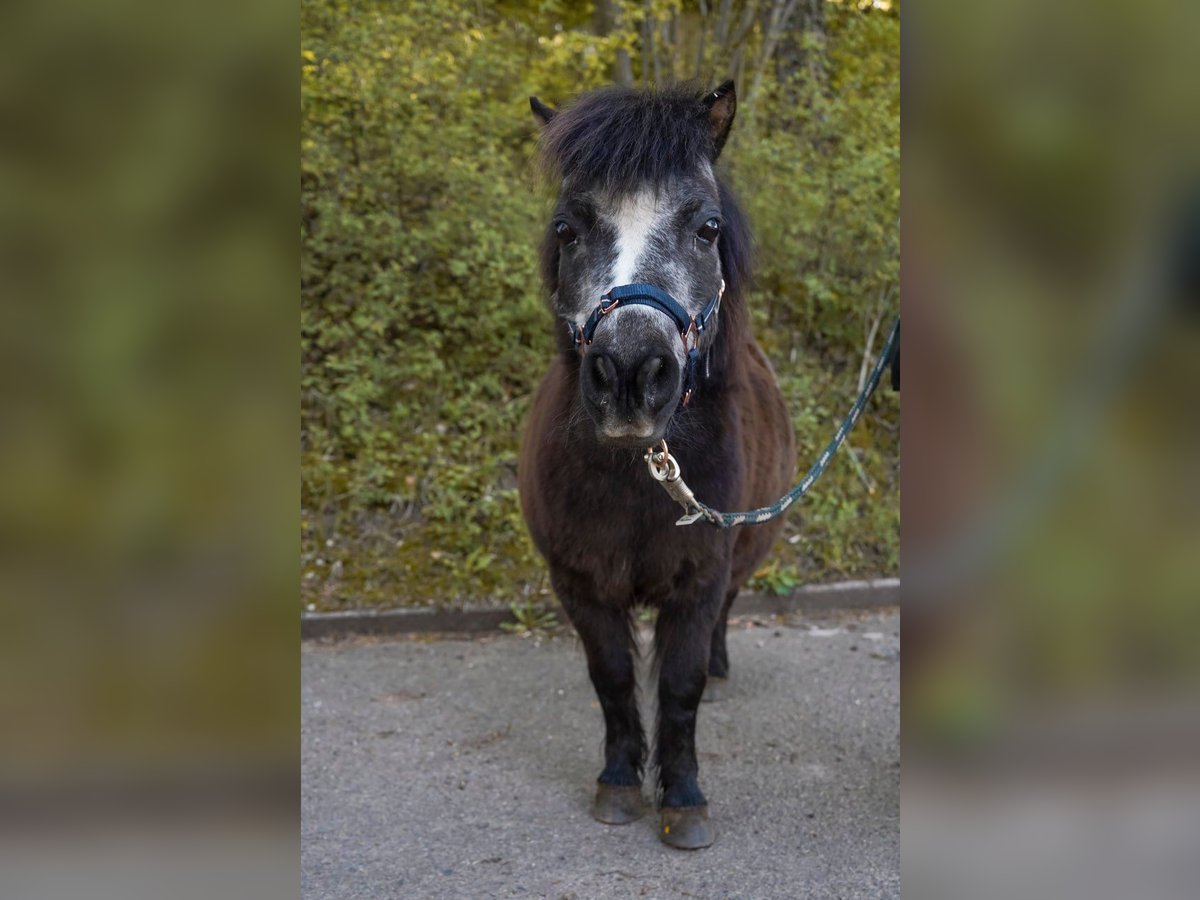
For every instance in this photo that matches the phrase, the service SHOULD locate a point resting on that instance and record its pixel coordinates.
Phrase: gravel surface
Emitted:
(466, 768)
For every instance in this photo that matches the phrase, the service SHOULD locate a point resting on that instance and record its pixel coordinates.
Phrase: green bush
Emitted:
(423, 328)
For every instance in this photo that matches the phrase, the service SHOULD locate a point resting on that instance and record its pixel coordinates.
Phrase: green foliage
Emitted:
(423, 330)
(776, 578)
(530, 620)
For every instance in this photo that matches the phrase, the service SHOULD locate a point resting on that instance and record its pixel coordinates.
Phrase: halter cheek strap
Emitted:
(691, 329)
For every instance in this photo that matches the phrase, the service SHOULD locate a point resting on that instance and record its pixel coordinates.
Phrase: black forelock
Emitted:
(622, 138)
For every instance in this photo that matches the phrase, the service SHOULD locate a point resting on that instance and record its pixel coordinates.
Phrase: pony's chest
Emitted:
(629, 547)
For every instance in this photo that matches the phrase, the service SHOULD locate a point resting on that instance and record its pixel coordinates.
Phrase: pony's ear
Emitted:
(541, 112)
(721, 104)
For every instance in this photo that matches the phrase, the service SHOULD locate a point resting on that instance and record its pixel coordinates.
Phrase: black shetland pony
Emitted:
(640, 204)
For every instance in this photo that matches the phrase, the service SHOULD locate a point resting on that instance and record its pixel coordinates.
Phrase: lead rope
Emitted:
(664, 468)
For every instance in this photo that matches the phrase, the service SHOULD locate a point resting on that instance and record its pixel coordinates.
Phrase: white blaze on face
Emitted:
(634, 220)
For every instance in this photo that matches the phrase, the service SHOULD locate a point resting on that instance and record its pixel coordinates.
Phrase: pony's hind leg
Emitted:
(717, 687)
(608, 641)
(683, 636)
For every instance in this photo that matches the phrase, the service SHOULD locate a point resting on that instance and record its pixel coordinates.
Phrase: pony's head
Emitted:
(639, 203)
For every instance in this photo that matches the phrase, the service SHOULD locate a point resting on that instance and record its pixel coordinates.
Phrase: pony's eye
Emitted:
(564, 232)
(709, 230)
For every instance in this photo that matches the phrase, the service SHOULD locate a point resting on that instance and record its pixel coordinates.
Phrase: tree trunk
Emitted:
(606, 18)
(796, 53)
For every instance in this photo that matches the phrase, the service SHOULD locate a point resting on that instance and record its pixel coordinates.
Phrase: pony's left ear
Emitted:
(542, 113)
(721, 104)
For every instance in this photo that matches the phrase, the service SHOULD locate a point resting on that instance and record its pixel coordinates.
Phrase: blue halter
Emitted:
(657, 299)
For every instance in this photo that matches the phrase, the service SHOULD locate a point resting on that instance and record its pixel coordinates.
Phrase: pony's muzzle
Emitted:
(630, 398)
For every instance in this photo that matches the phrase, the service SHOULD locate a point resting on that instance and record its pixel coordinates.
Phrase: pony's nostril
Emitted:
(648, 373)
(602, 374)
(652, 382)
(603, 371)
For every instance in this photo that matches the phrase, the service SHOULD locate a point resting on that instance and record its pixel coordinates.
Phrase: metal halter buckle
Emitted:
(693, 333)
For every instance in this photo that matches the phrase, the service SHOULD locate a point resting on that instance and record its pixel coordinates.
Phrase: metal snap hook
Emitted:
(662, 465)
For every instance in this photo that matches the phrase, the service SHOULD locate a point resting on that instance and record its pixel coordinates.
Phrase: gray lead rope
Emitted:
(664, 468)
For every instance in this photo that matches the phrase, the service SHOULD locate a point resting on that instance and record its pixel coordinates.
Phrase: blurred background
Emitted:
(148, 671)
(1051, 516)
(424, 327)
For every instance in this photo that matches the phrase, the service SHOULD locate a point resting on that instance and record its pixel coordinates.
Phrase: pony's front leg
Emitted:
(608, 641)
(683, 638)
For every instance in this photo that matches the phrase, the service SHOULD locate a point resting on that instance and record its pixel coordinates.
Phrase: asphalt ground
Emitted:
(450, 767)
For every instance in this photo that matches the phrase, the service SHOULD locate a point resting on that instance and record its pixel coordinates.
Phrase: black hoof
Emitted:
(618, 805)
(686, 828)
(715, 689)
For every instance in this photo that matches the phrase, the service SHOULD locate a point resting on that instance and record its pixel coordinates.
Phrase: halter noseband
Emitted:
(692, 328)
